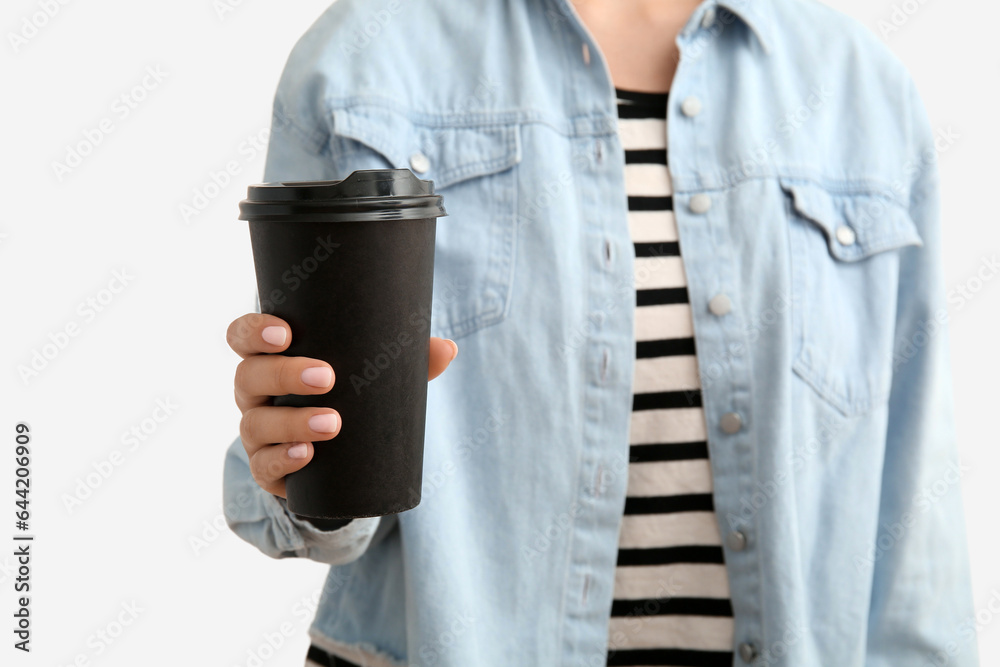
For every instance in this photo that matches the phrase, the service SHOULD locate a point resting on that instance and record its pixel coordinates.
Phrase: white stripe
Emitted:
(652, 226)
(648, 180)
(666, 374)
(667, 425)
(658, 478)
(703, 633)
(652, 321)
(688, 580)
(662, 271)
(646, 531)
(642, 133)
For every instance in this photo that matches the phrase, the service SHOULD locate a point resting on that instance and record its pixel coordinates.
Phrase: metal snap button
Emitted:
(730, 422)
(720, 304)
(691, 106)
(700, 203)
(736, 541)
(748, 652)
(419, 163)
(845, 235)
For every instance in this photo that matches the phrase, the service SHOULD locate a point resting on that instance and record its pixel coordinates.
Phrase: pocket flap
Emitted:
(856, 224)
(448, 153)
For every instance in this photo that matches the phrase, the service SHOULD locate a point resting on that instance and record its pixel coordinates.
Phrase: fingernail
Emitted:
(323, 423)
(317, 376)
(299, 451)
(454, 349)
(274, 335)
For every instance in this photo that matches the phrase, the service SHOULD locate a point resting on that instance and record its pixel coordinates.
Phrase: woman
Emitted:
(693, 264)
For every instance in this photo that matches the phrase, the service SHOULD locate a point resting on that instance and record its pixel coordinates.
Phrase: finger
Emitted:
(443, 352)
(270, 464)
(257, 333)
(259, 377)
(270, 424)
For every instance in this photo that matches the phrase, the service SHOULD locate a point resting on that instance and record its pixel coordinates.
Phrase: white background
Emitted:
(162, 337)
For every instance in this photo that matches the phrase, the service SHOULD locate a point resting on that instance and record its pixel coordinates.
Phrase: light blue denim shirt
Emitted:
(805, 190)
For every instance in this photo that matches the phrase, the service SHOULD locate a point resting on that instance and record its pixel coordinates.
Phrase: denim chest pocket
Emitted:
(844, 261)
(473, 168)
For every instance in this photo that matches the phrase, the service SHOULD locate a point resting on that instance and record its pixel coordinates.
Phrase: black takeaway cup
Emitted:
(349, 265)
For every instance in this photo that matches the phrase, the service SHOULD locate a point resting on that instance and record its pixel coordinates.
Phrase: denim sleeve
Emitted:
(921, 608)
(261, 518)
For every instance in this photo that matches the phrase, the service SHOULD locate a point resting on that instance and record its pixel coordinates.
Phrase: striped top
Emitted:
(671, 593)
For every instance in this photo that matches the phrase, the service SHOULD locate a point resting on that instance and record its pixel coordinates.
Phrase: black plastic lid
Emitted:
(367, 194)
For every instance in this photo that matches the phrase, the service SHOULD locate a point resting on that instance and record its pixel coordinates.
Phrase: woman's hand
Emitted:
(279, 439)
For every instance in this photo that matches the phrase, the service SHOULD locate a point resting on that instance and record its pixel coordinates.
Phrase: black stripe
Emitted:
(670, 555)
(669, 656)
(691, 502)
(657, 249)
(666, 347)
(640, 112)
(681, 451)
(639, 203)
(640, 97)
(646, 156)
(673, 607)
(657, 400)
(661, 296)
(319, 656)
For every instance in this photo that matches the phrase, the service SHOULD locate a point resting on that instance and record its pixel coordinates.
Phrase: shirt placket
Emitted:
(711, 261)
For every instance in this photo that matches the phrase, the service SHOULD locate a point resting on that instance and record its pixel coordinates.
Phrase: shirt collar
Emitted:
(758, 14)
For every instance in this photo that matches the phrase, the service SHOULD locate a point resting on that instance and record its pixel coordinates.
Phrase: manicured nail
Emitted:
(323, 423)
(299, 451)
(454, 349)
(274, 335)
(317, 376)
